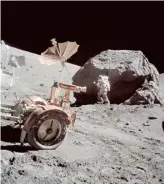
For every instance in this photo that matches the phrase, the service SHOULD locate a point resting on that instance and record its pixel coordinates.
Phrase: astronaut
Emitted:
(53, 92)
(103, 86)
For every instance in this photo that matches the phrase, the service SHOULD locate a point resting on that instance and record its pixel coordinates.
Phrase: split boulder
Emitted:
(126, 70)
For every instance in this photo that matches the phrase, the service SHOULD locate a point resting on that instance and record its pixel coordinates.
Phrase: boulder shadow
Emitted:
(84, 100)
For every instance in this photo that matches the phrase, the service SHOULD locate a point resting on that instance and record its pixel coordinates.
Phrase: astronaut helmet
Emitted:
(103, 77)
(100, 77)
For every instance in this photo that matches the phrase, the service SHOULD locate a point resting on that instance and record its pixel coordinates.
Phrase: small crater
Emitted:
(34, 158)
(22, 172)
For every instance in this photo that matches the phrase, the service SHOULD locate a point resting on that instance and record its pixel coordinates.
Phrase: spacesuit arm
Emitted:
(98, 85)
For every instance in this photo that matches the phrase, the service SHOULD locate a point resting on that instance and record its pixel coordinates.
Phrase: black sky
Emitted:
(96, 26)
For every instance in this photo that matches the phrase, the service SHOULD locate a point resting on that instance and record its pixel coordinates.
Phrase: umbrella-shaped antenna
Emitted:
(59, 52)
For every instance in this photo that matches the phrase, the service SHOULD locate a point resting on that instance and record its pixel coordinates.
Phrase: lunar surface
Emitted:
(116, 144)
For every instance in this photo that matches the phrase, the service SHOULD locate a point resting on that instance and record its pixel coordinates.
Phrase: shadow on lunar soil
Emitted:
(10, 134)
(17, 148)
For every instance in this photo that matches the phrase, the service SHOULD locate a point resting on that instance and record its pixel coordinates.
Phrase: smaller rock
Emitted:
(152, 117)
(42, 85)
(141, 169)
(124, 178)
(12, 160)
(81, 178)
(77, 143)
(148, 159)
(146, 124)
(163, 125)
(7, 157)
(61, 163)
(131, 131)
(9, 172)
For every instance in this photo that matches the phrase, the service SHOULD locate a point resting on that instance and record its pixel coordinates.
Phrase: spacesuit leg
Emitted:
(105, 98)
(99, 97)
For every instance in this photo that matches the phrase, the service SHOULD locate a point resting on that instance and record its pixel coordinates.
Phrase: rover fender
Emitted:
(29, 122)
(28, 100)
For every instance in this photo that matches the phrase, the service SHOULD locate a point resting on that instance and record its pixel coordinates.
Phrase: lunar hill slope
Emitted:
(116, 144)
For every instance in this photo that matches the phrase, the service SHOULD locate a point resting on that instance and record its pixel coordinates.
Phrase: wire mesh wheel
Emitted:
(49, 131)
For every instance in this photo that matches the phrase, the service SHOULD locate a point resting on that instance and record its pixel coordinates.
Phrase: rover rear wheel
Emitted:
(49, 132)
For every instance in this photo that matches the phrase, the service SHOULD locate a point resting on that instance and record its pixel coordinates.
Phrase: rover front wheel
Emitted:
(48, 133)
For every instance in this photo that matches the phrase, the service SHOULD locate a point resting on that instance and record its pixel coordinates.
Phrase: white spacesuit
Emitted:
(103, 86)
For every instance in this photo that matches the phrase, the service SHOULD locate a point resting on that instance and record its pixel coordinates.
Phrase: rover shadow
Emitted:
(10, 134)
(17, 148)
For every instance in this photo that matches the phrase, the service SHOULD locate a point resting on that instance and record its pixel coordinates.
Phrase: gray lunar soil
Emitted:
(116, 144)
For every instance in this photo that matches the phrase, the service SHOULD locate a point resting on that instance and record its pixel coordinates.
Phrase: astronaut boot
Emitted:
(107, 102)
(100, 101)
(105, 98)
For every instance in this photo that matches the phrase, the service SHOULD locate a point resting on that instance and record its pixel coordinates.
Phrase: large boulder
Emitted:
(126, 70)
